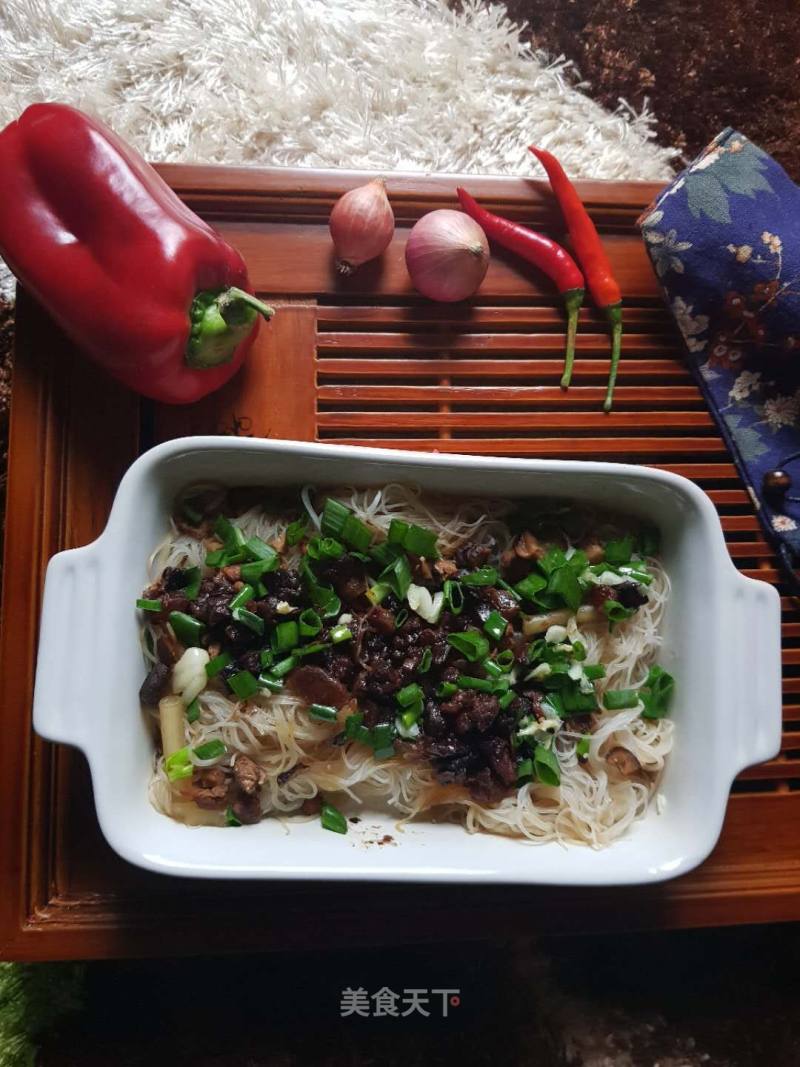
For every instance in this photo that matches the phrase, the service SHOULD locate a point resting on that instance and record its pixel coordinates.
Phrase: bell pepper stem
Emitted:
(573, 298)
(219, 321)
(614, 315)
(232, 295)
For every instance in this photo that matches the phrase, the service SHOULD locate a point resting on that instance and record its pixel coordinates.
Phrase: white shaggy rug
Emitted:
(378, 84)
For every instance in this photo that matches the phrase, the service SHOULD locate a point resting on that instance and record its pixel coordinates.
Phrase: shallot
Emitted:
(447, 255)
(361, 225)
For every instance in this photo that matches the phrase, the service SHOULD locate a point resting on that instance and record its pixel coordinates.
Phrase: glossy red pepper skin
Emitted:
(108, 248)
(544, 253)
(591, 255)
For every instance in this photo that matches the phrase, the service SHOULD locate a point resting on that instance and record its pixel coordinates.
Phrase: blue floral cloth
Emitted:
(724, 240)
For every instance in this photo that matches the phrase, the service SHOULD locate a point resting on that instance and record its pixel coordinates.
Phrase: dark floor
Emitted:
(703, 66)
(725, 998)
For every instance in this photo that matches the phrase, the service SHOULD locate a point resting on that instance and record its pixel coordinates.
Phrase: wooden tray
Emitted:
(360, 361)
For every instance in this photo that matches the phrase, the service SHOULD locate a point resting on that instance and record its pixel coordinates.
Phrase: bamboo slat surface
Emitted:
(361, 360)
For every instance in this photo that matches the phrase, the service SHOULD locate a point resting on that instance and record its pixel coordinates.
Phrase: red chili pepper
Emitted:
(591, 256)
(140, 283)
(545, 254)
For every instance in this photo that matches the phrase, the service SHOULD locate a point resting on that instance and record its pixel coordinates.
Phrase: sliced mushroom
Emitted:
(624, 761)
(528, 547)
(445, 568)
(595, 553)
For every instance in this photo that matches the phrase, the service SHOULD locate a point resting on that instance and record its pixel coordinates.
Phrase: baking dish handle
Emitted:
(755, 679)
(65, 676)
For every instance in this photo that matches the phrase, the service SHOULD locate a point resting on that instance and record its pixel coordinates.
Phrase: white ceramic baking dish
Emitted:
(722, 643)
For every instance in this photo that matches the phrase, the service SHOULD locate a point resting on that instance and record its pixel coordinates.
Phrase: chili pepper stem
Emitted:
(613, 313)
(573, 298)
(220, 321)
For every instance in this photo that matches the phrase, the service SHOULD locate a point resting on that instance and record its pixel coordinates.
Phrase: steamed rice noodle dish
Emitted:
(485, 661)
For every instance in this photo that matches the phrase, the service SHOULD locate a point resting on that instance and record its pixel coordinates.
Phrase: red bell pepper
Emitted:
(139, 282)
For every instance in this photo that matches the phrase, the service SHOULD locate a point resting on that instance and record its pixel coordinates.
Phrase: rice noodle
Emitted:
(591, 806)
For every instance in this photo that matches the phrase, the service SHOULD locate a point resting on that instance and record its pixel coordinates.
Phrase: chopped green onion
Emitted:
(253, 572)
(313, 649)
(378, 592)
(330, 548)
(578, 651)
(193, 711)
(244, 684)
(331, 607)
(283, 667)
(385, 553)
(412, 714)
(502, 584)
(619, 551)
(447, 690)
(656, 693)
(267, 657)
(482, 576)
(381, 736)
(485, 685)
(178, 765)
(187, 629)
(332, 819)
(230, 817)
(323, 712)
(193, 578)
(287, 636)
(397, 531)
(574, 701)
(398, 576)
(420, 542)
(546, 765)
(505, 660)
(471, 643)
(564, 584)
(249, 619)
(408, 695)
(400, 617)
(582, 747)
(295, 531)
(309, 623)
(260, 550)
(453, 597)
(216, 558)
(148, 605)
(618, 699)
(334, 516)
(507, 698)
(230, 535)
(341, 633)
(616, 612)
(593, 671)
(426, 661)
(354, 729)
(218, 663)
(529, 587)
(356, 534)
(552, 560)
(210, 749)
(493, 669)
(495, 626)
(524, 770)
(268, 681)
(245, 593)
